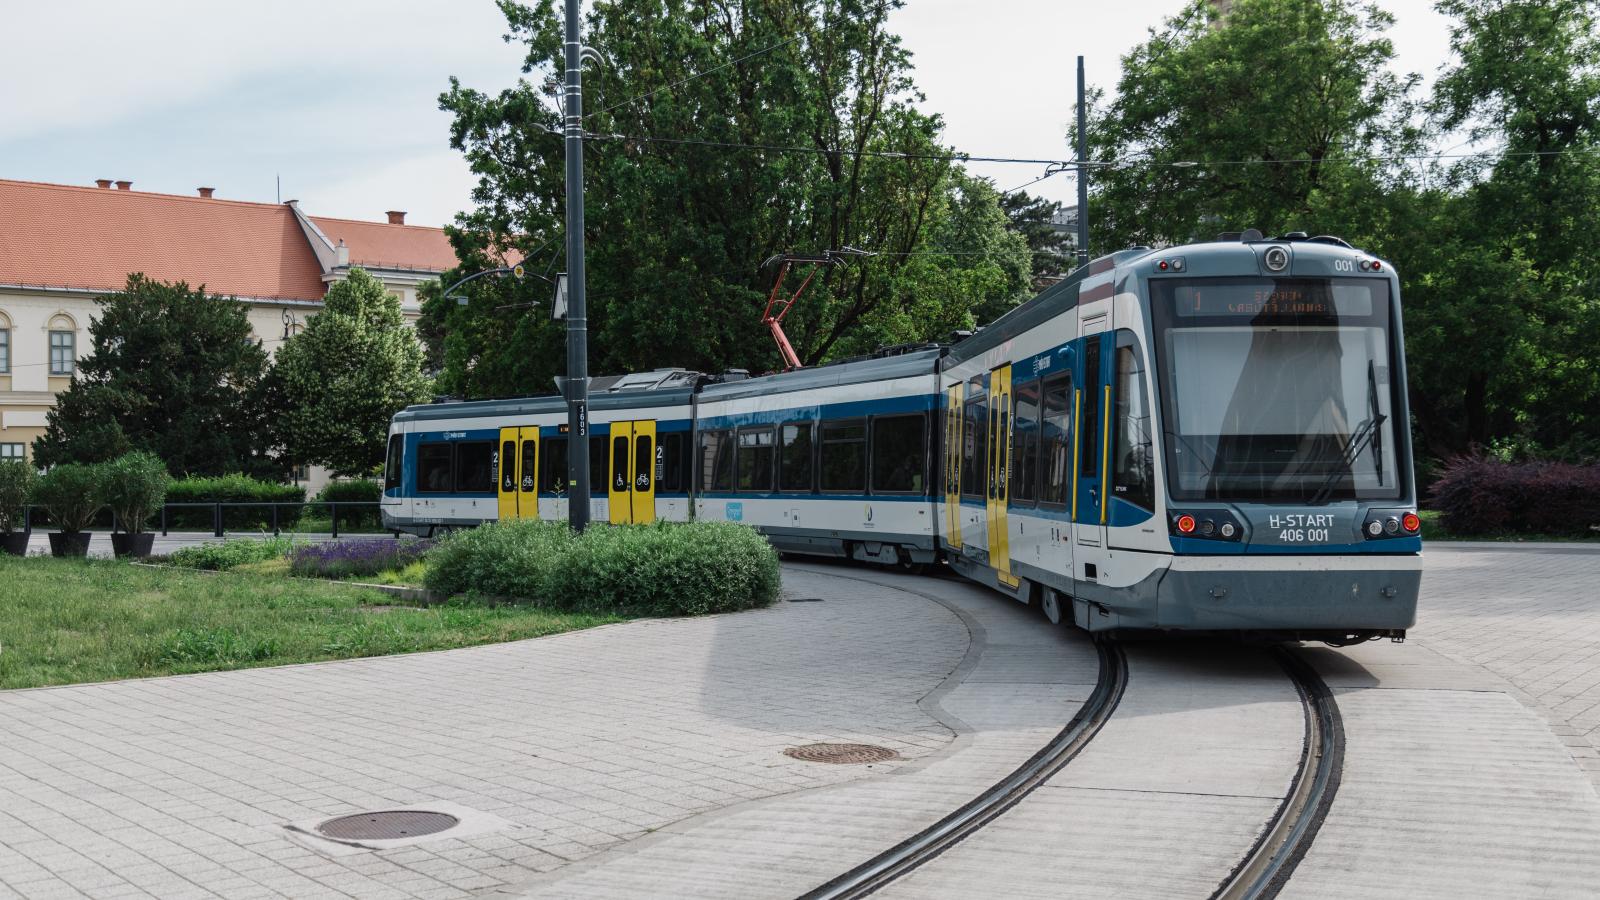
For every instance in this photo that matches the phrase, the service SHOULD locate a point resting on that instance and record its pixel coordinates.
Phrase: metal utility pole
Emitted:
(1083, 171)
(577, 388)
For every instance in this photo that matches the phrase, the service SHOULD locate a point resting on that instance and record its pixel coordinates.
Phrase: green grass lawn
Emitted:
(1433, 530)
(67, 621)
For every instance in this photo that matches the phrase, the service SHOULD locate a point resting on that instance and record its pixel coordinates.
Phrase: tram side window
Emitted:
(391, 469)
(1025, 445)
(1090, 426)
(899, 455)
(754, 466)
(974, 437)
(669, 471)
(553, 468)
(716, 461)
(475, 467)
(844, 456)
(1133, 471)
(433, 468)
(598, 453)
(794, 468)
(1055, 440)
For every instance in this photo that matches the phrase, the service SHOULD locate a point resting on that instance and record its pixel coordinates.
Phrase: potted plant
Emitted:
(135, 487)
(16, 490)
(71, 494)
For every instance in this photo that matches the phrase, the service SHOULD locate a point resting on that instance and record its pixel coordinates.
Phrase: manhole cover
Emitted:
(391, 825)
(842, 753)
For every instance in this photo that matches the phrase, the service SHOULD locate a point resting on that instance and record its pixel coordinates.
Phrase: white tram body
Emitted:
(1203, 438)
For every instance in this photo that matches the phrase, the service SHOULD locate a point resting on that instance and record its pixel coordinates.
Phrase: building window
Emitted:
(12, 451)
(62, 352)
(5, 351)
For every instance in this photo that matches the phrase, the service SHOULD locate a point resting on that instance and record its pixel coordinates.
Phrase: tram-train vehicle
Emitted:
(1201, 438)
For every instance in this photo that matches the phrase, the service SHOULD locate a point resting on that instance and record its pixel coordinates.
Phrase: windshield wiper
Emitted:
(1347, 456)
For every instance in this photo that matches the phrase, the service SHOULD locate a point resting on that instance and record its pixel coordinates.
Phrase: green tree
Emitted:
(1251, 118)
(1032, 218)
(340, 380)
(172, 371)
(1526, 78)
(681, 207)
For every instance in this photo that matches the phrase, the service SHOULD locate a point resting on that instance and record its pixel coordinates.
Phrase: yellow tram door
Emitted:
(528, 474)
(506, 465)
(999, 472)
(647, 461)
(952, 466)
(632, 481)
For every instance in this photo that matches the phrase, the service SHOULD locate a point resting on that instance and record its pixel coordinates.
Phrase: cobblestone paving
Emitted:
(1530, 615)
(181, 787)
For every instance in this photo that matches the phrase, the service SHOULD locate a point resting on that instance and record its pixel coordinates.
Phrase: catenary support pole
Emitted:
(577, 386)
(1083, 170)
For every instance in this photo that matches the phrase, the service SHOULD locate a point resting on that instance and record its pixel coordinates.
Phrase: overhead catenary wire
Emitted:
(1069, 164)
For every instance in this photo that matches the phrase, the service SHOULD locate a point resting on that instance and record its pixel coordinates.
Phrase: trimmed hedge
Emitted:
(1477, 495)
(664, 569)
(233, 489)
(360, 491)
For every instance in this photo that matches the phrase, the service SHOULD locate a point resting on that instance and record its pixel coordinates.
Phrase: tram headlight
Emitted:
(1374, 528)
(1228, 530)
(1391, 525)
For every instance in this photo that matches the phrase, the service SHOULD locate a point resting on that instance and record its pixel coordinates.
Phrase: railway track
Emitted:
(1259, 875)
(1267, 867)
(986, 807)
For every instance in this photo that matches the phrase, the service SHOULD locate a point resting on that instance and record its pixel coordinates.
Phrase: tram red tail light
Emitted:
(1411, 522)
(1186, 524)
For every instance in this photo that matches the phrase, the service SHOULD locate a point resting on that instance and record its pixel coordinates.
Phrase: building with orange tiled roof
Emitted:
(64, 246)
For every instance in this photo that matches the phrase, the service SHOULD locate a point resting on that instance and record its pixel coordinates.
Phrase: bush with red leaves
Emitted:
(1478, 495)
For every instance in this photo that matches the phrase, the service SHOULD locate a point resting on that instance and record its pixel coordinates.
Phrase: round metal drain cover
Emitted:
(844, 754)
(390, 825)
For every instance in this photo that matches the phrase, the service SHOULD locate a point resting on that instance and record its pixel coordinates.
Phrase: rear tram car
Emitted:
(1201, 438)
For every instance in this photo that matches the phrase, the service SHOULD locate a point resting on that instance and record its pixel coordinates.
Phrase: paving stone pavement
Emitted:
(1529, 615)
(181, 787)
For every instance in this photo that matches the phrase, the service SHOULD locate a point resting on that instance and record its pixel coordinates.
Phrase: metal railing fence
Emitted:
(275, 515)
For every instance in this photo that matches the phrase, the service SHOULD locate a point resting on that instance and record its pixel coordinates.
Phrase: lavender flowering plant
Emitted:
(342, 559)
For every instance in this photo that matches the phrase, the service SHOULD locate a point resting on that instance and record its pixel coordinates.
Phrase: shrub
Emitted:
(136, 484)
(234, 489)
(1477, 495)
(219, 555)
(499, 559)
(342, 559)
(359, 491)
(72, 493)
(663, 569)
(17, 482)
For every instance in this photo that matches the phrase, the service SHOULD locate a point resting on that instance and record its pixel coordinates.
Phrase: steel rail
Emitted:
(1272, 859)
(889, 865)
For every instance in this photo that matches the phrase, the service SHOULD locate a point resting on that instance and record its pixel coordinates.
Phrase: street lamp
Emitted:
(515, 270)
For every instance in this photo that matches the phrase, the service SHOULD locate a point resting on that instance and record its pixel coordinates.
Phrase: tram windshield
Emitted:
(1277, 389)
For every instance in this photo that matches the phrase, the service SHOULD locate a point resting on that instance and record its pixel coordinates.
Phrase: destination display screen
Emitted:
(1271, 299)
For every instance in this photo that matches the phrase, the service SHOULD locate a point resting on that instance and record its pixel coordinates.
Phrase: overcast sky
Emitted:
(339, 99)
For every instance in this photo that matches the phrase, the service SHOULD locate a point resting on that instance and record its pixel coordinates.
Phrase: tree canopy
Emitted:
(721, 133)
(172, 371)
(338, 382)
(1282, 115)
